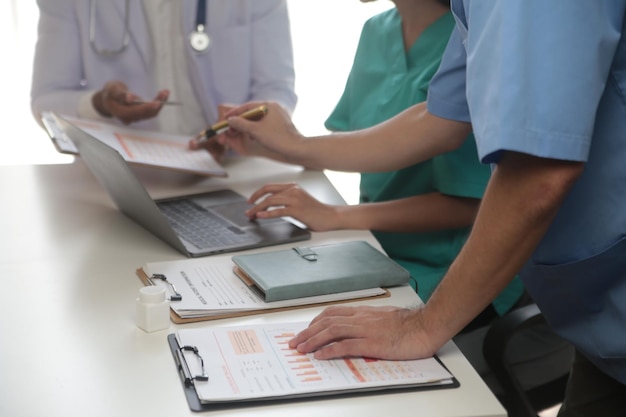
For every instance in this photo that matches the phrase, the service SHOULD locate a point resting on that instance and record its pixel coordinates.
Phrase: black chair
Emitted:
(518, 401)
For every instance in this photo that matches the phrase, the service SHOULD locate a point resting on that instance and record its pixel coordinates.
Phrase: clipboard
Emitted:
(182, 320)
(138, 147)
(195, 404)
(61, 141)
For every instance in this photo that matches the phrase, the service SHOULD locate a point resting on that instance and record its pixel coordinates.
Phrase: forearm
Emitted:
(412, 136)
(418, 214)
(523, 196)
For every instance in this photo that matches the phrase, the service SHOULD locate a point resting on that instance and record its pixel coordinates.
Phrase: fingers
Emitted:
(193, 144)
(115, 100)
(269, 189)
(377, 332)
(243, 125)
(283, 199)
(279, 204)
(129, 113)
(228, 111)
(315, 327)
(212, 145)
(162, 96)
(337, 336)
(216, 149)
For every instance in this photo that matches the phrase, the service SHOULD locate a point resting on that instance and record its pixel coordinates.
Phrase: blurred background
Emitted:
(325, 34)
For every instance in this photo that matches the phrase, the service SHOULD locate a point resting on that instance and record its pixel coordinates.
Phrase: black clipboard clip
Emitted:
(181, 363)
(175, 294)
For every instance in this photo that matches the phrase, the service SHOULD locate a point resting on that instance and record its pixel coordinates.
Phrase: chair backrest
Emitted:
(522, 401)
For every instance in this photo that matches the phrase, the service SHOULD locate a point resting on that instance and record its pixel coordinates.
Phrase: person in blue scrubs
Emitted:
(422, 214)
(543, 86)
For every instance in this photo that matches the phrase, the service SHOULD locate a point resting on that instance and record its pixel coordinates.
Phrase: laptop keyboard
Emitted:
(201, 227)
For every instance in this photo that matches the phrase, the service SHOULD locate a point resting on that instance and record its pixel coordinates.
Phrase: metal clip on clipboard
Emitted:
(175, 294)
(184, 368)
(306, 253)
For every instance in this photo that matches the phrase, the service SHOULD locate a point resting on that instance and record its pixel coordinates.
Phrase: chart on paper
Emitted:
(257, 362)
(140, 147)
(145, 149)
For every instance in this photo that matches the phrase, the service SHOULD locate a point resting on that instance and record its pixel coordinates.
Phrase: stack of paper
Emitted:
(210, 289)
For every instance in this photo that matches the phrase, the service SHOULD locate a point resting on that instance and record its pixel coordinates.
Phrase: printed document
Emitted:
(255, 362)
(139, 147)
(209, 287)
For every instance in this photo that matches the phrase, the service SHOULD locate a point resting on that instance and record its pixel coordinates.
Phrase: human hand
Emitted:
(375, 332)
(213, 145)
(114, 100)
(291, 200)
(273, 136)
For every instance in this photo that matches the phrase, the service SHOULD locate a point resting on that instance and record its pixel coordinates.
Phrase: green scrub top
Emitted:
(384, 81)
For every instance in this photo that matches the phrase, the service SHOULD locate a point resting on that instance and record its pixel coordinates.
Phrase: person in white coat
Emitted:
(123, 60)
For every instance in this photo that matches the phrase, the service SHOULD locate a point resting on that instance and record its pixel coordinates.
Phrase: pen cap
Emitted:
(152, 294)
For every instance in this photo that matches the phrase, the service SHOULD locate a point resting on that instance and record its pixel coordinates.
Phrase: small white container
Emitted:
(153, 309)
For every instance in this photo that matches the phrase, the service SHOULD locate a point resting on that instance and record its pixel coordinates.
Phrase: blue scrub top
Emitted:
(385, 80)
(549, 79)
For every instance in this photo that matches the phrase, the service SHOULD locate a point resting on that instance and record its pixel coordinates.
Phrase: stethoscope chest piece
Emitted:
(199, 39)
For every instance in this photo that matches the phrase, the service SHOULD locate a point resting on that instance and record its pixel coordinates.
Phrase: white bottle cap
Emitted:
(152, 294)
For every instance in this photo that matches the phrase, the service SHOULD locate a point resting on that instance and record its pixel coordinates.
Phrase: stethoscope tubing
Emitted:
(92, 31)
(198, 38)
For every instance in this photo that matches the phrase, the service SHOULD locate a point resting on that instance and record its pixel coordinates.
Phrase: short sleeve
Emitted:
(446, 94)
(536, 72)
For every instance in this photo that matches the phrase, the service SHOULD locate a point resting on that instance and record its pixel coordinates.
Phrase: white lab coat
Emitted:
(250, 57)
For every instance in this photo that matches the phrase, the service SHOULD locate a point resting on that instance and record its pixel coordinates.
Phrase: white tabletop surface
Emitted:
(69, 345)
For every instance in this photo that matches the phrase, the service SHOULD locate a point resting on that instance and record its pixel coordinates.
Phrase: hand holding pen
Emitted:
(253, 114)
(274, 137)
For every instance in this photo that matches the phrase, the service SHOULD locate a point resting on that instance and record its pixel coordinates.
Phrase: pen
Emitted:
(255, 113)
(164, 103)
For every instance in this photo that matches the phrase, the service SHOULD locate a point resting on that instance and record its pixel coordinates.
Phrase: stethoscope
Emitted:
(198, 38)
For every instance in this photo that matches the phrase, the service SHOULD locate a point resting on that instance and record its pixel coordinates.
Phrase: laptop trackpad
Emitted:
(233, 212)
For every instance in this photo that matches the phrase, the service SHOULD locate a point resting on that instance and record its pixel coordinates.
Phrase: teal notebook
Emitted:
(317, 270)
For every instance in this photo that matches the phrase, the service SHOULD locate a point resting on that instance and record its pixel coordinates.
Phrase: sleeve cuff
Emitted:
(86, 110)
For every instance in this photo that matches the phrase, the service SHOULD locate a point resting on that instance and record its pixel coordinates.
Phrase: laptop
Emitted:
(197, 225)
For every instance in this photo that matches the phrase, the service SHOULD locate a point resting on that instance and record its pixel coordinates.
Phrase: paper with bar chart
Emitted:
(138, 147)
(256, 362)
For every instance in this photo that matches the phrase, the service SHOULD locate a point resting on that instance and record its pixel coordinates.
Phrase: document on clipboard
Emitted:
(207, 289)
(137, 147)
(235, 364)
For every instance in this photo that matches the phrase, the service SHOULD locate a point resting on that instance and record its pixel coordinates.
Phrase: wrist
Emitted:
(97, 101)
(425, 332)
(299, 152)
(347, 217)
(335, 217)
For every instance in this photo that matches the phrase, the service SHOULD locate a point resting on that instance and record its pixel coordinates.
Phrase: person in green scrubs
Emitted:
(421, 214)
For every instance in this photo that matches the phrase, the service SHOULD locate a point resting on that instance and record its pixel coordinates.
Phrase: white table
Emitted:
(69, 345)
